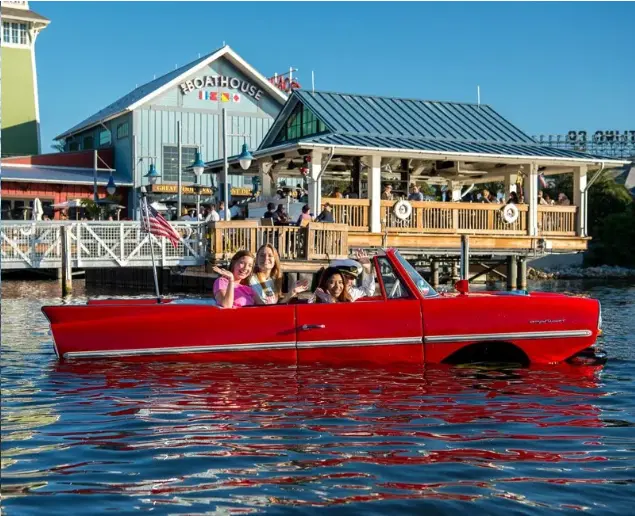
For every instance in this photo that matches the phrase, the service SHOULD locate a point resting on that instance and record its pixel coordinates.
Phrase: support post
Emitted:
(225, 168)
(511, 273)
(455, 272)
(465, 257)
(67, 269)
(179, 182)
(95, 196)
(315, 182)
(531, 198)
(266, 185)
(456, 188)
(522, 273)
(434, 268)
(510, 184)
(374, 193)
(580, 199)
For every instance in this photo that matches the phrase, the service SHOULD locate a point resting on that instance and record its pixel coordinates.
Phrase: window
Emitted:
(171, 163)
(15, 33)
(301, 123)
(422, 285)
(395, 289)
(89, 142)
(73, 146)
(104, 138)
(122, 131)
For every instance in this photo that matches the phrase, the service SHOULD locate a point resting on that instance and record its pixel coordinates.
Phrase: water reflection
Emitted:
(198, 438)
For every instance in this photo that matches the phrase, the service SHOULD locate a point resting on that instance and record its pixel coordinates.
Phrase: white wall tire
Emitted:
(402, 209)
(510, 213)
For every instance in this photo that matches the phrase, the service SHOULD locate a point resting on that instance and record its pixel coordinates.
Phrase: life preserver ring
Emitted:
(510, 213)
(402, 209)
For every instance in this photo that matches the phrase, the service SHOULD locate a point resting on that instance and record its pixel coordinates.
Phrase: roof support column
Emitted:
(456, 188)
(580, 199)
(374, 193)
(267, 185)
(510, 184)
(531, 198)
(315, 182)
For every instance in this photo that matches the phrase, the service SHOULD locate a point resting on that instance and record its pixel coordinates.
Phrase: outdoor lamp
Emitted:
(198, 166)
(245, 158)
(153, 174)
(111, 188)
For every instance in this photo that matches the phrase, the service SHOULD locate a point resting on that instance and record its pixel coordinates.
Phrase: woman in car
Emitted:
(266, 282)
(231, 289)
(332, 288)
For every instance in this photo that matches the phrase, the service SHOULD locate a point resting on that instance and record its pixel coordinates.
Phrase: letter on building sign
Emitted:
(223, 81)
(257, 96)
(184, 89)
(244, 86)
(198, 82)
(252, 90)
(190, 86)
(209, 81)
(234, 83)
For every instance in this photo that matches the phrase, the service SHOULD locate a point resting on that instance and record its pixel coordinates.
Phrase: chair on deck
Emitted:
(266, 222)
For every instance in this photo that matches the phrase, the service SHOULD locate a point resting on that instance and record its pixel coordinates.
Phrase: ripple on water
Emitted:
(195, 438)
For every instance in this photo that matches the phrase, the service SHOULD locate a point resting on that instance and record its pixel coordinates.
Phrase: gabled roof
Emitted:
(23, 14)
(154, 88)
(397, 124)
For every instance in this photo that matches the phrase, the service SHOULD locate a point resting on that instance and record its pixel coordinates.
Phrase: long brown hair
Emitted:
(234, 261)
(276, 272)
(344, 297)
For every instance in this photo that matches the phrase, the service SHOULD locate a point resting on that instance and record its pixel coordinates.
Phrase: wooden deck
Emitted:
(440, 225)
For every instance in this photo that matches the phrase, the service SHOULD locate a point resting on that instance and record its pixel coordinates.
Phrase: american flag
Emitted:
(158, 225)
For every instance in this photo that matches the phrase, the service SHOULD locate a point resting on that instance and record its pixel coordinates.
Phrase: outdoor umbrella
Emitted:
(38, 211)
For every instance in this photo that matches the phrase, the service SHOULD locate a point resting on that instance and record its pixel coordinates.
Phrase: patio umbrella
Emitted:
(73, 203)
(38, 211)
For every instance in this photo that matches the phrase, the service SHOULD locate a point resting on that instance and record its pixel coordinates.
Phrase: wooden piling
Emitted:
(434, 269)
(67, 268)
(512, 272)
(522, 273)
(465, 257)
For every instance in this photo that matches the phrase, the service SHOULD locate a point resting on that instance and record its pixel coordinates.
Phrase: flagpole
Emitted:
(144, 200)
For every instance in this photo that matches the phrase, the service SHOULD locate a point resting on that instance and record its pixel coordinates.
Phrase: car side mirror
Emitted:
(463, 286)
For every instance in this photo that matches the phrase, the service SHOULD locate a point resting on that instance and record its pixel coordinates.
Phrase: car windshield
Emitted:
(422, 285)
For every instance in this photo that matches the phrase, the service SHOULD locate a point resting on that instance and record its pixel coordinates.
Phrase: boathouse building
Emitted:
(182, 109)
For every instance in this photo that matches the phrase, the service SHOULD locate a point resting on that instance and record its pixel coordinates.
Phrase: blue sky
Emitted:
(548, 67)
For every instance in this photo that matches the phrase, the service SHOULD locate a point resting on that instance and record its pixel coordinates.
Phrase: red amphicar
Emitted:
(406, 322)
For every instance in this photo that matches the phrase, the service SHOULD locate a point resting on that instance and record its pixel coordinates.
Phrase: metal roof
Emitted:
(385, 116)
(463, 147)
(60, 175)
(120, 105)
(143, 93)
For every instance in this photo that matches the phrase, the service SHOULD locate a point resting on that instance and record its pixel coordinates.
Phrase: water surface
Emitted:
(93, 438)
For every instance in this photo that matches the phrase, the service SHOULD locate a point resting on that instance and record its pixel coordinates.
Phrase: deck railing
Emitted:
(313, 242)
(557, 220)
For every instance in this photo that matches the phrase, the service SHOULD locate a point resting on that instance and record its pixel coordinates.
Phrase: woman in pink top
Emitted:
(232, 289)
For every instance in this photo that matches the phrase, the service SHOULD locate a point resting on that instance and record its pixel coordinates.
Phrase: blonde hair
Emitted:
(276, 272)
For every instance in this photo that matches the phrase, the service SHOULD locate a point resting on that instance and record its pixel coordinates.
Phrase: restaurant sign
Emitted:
(221, 81)
(189, 190)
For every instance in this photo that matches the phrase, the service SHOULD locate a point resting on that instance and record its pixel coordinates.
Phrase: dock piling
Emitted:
(67, 269)
(512, 273)
(522, 273)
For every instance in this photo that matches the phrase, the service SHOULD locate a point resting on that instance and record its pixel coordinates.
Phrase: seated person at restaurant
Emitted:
(266, 282)
(281, 216)
(415, 194)
(326, 215)
(231, 289)
(331, 288)
(351, 270)
(513, 198)
(305, 216)
(270, 213)
(387, 194)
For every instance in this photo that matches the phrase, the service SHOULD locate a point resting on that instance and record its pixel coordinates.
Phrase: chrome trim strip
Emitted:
(358, 342)
(181, 350)
(554, 334)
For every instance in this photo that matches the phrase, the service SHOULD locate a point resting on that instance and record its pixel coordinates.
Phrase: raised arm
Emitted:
(225, 296)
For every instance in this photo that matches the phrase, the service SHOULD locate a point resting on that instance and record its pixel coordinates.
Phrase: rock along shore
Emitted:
(601, 272)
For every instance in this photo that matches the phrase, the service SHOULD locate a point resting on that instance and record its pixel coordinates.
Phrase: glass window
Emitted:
(301, 123)
(73, 146)
(395, 288)
(170, 164)
(122, 131)
(6, 32)
(23, 34)
(422, 285)
(104, 138)
(88, 143)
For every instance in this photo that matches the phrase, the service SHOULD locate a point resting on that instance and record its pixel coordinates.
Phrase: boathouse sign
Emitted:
(220, 81)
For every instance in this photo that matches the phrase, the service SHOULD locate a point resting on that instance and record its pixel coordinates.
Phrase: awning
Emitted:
(60, 175)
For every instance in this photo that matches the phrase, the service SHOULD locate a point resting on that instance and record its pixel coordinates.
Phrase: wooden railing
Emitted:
(352, 212)
(313, 242)
(557, 220)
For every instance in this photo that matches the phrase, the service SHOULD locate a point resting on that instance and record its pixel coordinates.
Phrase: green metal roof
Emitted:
(385, 116)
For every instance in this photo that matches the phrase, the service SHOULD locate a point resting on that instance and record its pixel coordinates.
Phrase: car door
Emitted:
(382, 330)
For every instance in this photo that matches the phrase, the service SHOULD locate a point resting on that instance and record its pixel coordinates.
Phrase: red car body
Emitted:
(406, 322)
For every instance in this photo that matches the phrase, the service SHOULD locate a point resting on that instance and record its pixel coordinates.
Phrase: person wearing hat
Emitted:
(351, 270)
